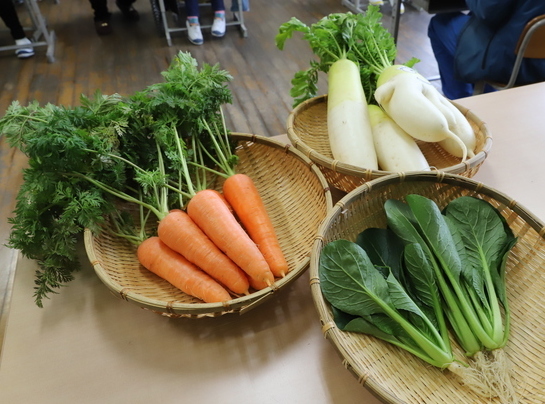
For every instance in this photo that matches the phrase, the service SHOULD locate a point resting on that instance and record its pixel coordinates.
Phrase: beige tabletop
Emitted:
(87, 346)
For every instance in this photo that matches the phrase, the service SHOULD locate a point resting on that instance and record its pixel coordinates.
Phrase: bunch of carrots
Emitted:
(215, 243)
(207, 253)
(221, 242)
(161, 149)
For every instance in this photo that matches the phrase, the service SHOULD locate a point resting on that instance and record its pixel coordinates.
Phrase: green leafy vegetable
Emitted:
(144, 149)
(352, 284)
(407, 283)
(401, 219)
(359, 37)
(487, 239)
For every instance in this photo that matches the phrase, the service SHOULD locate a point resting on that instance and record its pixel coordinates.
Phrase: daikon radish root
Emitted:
(457, 123)
(403, 96)
(349, 130)
(396, 150)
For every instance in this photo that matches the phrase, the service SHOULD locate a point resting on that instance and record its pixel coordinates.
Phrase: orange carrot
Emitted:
(224, 200)
(166, 263)
(258, 285)
(241, 193)
(212, 215)
(178, 231)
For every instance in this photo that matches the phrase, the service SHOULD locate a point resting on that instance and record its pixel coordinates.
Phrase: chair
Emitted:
(41, 35)
(531, 45)
(162, 9)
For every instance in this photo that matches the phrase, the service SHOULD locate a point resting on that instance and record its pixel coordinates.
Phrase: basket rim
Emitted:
(236, 305)
(351, 170)
(329, 329)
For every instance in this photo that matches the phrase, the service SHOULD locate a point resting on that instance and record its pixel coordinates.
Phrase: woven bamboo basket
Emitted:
(307, 131)
(297, 198)
(392, 374)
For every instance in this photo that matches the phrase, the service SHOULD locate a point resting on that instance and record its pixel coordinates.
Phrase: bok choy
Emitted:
(430, 272)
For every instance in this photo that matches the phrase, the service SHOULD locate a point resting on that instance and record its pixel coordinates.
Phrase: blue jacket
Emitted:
(487, 42)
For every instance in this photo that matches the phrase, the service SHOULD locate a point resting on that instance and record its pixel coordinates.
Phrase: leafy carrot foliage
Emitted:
(83, 161)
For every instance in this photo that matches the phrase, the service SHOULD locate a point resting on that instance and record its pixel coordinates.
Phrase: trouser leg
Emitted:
(100, 8)
(8, 14)
(192, 8)
(217, 5)
(443, 32)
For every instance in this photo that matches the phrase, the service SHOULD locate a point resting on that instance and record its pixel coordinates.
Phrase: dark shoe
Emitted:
(103, 27)
(129, 12)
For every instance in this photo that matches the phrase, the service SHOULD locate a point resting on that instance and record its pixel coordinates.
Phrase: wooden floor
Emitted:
(134, 56)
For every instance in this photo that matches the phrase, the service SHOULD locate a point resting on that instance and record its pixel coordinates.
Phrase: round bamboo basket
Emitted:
(297, 198)
(396, 376)
(307, 131)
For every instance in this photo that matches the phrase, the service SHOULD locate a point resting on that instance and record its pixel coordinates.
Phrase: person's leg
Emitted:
(8, 14)
(192, 8)
(127, 9)
(443, 31)
(101, 16)
(218, 27)
(193, 26)
(100, 9)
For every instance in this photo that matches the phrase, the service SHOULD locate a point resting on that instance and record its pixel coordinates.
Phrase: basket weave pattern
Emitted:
(396, 376)
(307, 130)
(297, 198)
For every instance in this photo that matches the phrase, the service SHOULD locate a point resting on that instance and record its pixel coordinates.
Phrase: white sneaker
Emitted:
(194, 33)
(23, 53)
(218, 27)
(376, 2)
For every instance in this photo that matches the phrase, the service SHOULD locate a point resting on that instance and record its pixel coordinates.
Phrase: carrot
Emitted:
(258, 285)
(166, 263)
(241, 193)
(212, 215)
(225, 200)
(178, 231)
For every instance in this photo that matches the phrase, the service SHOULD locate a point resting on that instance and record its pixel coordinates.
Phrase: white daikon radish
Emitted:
(349, 130)
(396, 149)
(402, 94)
(457, 123)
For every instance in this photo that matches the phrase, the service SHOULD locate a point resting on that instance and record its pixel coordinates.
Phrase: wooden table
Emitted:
(87, 346)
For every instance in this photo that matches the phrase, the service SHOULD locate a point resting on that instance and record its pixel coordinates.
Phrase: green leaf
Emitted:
(377, 325)
(383, 247)
(436, 233)
(349, 279)
(483, 234)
